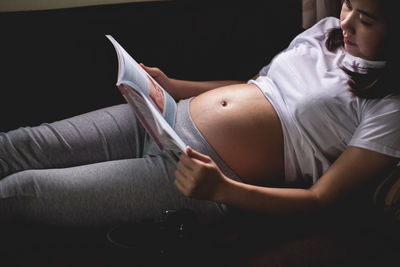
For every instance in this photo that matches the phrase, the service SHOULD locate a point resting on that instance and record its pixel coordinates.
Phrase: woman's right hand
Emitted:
(198, 176)
(161, 78)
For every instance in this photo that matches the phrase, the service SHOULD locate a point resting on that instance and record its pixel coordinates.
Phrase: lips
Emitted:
(347, 42)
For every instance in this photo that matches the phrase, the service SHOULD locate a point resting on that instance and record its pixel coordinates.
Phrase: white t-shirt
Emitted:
(319, 115)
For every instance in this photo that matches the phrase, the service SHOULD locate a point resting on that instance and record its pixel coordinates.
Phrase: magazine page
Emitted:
(164, 136)
(170, 140)
(142, 111)
(154, 107)
(131, 73)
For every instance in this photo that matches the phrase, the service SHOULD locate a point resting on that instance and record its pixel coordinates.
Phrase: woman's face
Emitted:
(364, 28)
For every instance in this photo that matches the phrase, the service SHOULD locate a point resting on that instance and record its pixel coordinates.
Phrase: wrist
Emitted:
(173, 89)
(224, 190)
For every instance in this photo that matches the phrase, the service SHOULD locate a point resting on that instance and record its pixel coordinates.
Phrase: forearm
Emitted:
(198, 176)
(185, 89)
(267, 200)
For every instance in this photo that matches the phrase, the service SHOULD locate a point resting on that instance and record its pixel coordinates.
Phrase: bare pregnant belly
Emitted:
(243, 128)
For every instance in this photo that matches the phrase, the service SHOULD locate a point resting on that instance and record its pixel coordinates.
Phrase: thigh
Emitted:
(99, 194)
(106, 134)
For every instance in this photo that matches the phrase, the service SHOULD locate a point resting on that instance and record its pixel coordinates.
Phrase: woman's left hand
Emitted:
(198, 176)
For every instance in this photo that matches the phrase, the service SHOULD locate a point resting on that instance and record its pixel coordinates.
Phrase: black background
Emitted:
(58, 63)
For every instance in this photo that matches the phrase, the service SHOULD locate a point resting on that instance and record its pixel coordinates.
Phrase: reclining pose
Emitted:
(319, 123)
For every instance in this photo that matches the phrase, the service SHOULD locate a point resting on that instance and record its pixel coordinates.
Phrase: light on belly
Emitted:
(237, 121)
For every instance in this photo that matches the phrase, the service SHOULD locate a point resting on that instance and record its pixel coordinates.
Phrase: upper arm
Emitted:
(355, 169)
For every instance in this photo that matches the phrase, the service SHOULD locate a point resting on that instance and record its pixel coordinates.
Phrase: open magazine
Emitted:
(153, 106)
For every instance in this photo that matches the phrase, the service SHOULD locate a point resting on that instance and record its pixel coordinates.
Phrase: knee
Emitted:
(21, 184)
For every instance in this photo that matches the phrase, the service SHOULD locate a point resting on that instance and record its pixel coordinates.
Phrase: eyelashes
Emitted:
(365, 23)
(348, 4)
(350, 7)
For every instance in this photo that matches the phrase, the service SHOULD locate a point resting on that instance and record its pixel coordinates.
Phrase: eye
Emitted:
(348, 4)
(365, 23)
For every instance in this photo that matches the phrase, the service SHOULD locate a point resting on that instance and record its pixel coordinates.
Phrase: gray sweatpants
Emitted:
(97, 168)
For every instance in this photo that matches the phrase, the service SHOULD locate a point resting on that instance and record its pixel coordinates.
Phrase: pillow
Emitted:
(387, 195)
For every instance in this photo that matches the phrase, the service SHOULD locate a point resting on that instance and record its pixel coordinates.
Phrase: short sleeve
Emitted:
(264, 70)
(316, 32)
(379, 128)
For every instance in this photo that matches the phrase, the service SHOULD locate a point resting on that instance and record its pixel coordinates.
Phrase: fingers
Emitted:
(190, 166)
(197, 175)
(154, 72)
(185, 165)
(180, 181)
(193, 161)
(184, 175)
(197, 155)
(143, 66)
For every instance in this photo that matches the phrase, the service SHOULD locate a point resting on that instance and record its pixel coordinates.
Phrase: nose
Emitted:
(347, 23)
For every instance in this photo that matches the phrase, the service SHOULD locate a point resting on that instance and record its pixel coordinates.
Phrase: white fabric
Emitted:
(319, 115)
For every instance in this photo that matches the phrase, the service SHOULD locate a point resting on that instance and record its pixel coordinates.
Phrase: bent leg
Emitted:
(106, 134)
(98, 194)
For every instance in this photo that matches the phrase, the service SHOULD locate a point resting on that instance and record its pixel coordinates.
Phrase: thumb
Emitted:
(197, 155)
(146, 68)
(143, 66)
(152, 71)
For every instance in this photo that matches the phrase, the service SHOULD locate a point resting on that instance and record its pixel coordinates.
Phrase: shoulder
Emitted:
(388, 105)
(328, 22)
(318, 32)
(384, 111)
(379, 126)
(323, 26)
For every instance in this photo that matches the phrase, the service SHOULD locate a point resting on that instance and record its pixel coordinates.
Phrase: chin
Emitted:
(352, 50)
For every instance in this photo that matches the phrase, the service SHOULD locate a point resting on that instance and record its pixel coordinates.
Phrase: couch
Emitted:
(57, 63)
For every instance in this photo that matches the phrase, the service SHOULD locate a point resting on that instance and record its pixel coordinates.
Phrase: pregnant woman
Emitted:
(319, 123)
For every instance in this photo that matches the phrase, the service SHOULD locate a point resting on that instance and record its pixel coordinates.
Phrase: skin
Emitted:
(243, 120)
(364, 29)
(197, 176)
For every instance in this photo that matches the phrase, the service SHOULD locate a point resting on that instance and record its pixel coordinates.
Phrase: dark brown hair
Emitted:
(376, 83)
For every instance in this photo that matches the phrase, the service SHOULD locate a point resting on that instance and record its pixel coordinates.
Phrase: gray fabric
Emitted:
(187, 130)
(93, 169)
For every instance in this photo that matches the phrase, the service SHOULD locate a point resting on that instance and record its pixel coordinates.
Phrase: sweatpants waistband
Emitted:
(187, 130)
